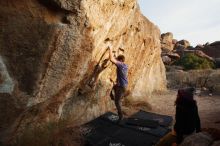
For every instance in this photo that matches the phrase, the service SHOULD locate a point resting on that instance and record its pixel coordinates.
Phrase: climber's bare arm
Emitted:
(111, 56)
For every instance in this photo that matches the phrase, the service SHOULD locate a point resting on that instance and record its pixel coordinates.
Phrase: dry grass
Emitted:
(196, 78)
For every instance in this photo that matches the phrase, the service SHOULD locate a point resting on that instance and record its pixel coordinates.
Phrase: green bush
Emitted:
(192, 61)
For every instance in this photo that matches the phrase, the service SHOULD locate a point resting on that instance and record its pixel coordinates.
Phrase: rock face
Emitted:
(55, 52)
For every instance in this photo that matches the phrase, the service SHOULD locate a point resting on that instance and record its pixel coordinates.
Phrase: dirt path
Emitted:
(209, 107)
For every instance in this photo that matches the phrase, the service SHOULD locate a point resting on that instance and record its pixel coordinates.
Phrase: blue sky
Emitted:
(197, 21)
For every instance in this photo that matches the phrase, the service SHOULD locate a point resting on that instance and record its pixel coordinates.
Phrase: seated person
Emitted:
(187, 119)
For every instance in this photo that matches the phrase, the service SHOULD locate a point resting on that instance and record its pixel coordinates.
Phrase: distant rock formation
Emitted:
(169, 57)
(203, 55)
(55, 52)
(178, 49)
(212, 50)
(167, 42)
(184, 43)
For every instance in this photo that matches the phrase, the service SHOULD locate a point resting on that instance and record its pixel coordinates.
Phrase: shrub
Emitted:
(192, 61)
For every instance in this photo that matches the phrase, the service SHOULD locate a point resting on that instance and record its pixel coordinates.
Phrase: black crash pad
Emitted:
(159, 131)
(142, 122)
(136, 138)
(163, 120)
(106, 131)
(111, 141)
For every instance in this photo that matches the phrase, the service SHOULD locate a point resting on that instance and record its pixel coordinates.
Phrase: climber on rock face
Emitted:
(122, 81)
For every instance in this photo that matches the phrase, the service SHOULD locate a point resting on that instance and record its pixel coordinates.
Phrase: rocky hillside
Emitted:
(54, 63)
(212, 49)
(173, 49)
(205, 78)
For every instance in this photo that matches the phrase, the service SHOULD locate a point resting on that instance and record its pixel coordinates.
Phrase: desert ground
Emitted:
(208, 106)
(163, 103)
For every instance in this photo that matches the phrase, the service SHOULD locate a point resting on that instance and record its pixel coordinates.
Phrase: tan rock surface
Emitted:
(185, 43)
(181, 46)
(55, 52)
(167, 41)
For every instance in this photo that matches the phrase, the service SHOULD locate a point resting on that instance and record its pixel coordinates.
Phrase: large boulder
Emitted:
(185, 43)
(167, 41)
(166, 59)
(55, 52)
(198, 139)
(169, 57)
(199, 46)
(181, 46)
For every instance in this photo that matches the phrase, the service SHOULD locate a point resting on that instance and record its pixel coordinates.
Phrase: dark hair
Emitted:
(185, 96)
(121, 58)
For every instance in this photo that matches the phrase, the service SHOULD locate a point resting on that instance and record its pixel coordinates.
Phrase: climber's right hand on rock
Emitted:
(109, 48)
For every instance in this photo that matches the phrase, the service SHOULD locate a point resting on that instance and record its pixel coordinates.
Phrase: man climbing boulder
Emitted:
(122, 81)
